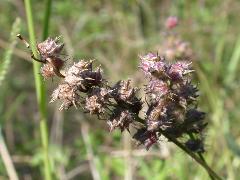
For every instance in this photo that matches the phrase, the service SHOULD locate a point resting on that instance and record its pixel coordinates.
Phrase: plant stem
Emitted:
(195, 157)
(200, 154)
(48, 7)
(6, 158)
(40, 91)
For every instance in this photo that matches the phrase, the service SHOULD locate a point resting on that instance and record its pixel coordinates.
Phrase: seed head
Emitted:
(47, 71)
(49, 48)
(179, 69)
(68, 94)
(97, 101)
(157, 88)
(82, 75)
(120, 119)
(145, 137)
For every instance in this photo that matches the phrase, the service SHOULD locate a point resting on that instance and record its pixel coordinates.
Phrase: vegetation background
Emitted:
(115, 33)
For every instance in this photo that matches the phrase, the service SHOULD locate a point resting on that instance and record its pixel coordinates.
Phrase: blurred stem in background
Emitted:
(4, 67)
(12, 174)
(40, 88)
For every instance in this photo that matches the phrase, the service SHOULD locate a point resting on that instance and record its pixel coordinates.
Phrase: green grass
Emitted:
(6, 60)
(40, 89)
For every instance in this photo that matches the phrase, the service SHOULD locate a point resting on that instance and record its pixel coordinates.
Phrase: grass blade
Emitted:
(233, 64)
(41, 95)
(8, 54)
(7, 159)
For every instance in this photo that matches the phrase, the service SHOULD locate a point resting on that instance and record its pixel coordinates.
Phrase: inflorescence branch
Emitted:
(171, 98)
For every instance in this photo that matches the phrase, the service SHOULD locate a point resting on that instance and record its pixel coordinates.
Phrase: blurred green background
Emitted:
(115, 33)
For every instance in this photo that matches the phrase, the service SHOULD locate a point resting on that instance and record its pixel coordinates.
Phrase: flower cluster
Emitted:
(84, 86)
(171, 109)
(49, 51)
(173, 46)
(80, 78)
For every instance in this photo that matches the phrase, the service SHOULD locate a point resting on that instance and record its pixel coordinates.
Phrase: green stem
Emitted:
(40, 91)
(194, 156)
(48, 7)
(200, 154)
(6, 158)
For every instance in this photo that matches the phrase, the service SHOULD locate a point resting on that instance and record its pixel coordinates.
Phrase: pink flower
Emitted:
(171, 22)
(179, 69)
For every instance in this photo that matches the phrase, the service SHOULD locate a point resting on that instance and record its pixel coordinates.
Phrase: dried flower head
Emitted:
(47, 71)
(123, 91)
(124, 94)
(152, 64)
(68, 94)
(172, 97)
(179, 69)
(81, 74)
(145, 137)
(120, 119)
(172, 108)
(94, 105)
(50, 48)
(97, 100)
(157, 88)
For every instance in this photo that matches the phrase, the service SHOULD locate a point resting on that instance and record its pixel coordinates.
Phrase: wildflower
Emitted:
(49, 51)
(152, 64)
(179, 69)
(171, 98)
(171, 22)
(157, 88)
(171, 110)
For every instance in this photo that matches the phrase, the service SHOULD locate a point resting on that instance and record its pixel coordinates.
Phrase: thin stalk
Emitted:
(200, 154)
(40, 91)
(211, 172)
(48, 7)
(6, 158)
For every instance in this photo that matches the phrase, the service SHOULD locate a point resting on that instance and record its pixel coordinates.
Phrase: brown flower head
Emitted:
(81, 74)
(120, 119)
(145, 137)
(97, 101)
(68, 94)
(49, 48)
(47, 71)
